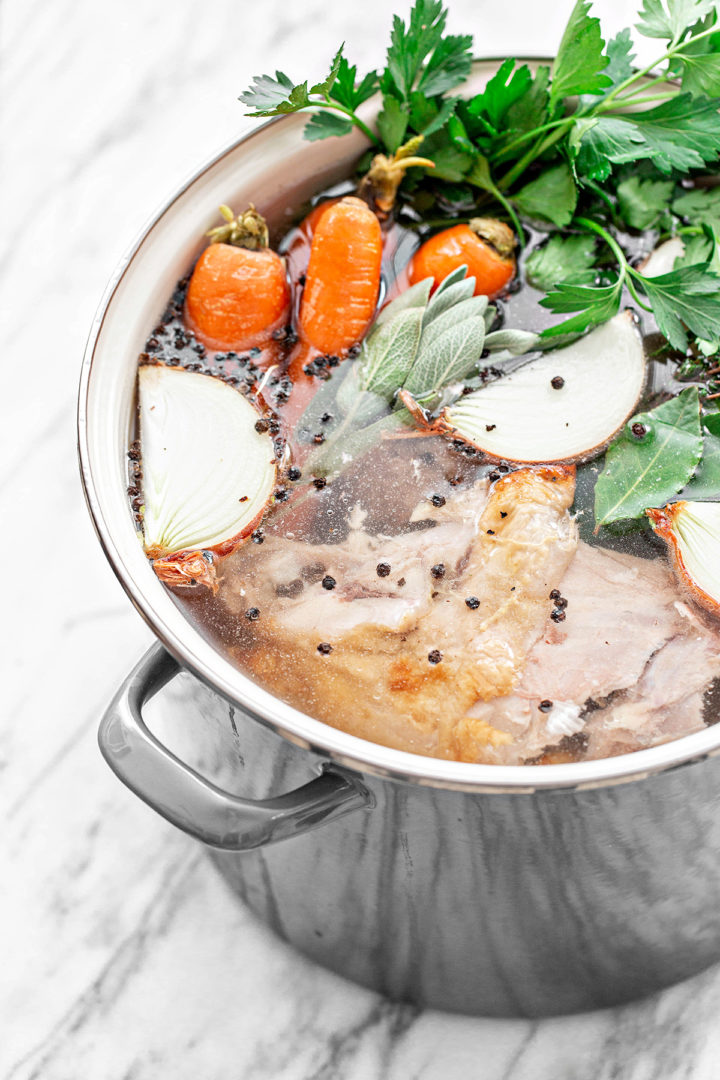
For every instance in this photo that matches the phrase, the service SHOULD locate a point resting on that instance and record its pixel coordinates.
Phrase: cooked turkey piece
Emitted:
(409, 657)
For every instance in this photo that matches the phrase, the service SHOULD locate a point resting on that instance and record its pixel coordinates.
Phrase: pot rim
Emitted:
(347, 750)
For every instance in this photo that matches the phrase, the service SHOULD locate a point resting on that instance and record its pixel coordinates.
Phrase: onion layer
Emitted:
(565, 406)
(692, 533)
(208, 474)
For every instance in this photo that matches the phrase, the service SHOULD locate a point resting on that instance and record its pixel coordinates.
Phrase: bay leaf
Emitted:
(648, 472)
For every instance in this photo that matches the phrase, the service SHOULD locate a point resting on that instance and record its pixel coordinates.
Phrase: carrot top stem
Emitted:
(380, 184)
(497, 233)
(247, 230)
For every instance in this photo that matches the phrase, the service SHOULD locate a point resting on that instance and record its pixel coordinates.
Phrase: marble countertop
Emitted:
(123, 956)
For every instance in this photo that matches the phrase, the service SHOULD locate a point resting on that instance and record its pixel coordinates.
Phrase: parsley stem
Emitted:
(535, 151)
(626, 102)
(531, 135)
(360, 124)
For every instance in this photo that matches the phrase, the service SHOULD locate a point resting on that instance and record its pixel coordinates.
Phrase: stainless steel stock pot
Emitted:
(503, 891)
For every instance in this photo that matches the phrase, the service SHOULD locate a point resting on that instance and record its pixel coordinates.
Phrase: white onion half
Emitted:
(207, 473)
(523, 417)
(692, 532)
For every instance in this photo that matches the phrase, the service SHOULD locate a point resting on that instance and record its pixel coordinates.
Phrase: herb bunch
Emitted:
(554, 146)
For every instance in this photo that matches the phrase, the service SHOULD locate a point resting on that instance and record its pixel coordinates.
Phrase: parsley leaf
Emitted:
(681, 134)
(322, 125)
(643, 202)
(687, 297)
(505, 89)
(392, 122)
(595, 143)
(347, 90)
(595, 305)
(569, 259)
(580, 62)
(620, 65)
(531, 110)
(420, 58)
(271, 97)
(552, 196)
(699, 207)
(671, 19)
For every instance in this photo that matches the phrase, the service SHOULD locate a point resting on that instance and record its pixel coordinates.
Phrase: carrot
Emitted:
(238, 293)
(484, 245)
(343, 277)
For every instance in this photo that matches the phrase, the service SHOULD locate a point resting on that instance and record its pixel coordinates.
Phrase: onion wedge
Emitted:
(563, 407)
(692, 533)
(662, 260)
(208, 474)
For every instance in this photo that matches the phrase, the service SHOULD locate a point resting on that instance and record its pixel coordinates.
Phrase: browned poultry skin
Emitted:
(508, 546)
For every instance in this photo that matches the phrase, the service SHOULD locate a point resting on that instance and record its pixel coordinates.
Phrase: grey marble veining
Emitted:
(122, 954)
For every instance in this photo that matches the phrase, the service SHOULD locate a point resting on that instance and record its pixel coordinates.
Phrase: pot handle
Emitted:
(188, 800)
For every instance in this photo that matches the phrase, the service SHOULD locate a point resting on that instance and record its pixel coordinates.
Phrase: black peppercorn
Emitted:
(437, 500)
(438, 571)
(473, 602)
(435, 656)
(261, 426)
(383, 569)
(545, 706)
(252, 614)
(319, 482)
(294, 473)
(324, 648)
(557, 615)
(328, 582)
(557, 382)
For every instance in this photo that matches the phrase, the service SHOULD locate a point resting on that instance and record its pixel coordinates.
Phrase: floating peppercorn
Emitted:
(435, 656)
(561, 603)
(326, 418)
(493, 476)
(281, 495)
(437, 500)
(545, 706)
(557, 615)
(318, 438)
(252, 614)
(555, 594)
(438, 571)
(383, 569)
(324, 648)
(294, 473)
(258, 537)
(557, 382)
(491, 532)
(472, 602)
(261, 426)
(319, 482)
(328, 582)
(639, 430)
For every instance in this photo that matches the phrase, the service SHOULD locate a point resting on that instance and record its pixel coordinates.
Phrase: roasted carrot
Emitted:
(343, 277)
(238, 293)
(485, 246)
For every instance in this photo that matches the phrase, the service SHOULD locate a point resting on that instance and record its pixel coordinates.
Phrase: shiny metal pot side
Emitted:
(494, 890)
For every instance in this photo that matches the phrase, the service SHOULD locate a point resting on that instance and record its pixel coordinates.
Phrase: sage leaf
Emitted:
(452, 356)
(388, 354)
(516, 342)
(447, 298)
(645, 472)
(416, 296)
(474, 305)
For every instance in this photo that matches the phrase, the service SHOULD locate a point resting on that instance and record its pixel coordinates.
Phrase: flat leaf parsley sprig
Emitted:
(555, 145)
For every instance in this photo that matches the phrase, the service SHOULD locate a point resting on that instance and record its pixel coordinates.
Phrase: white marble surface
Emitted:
(122, 956)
